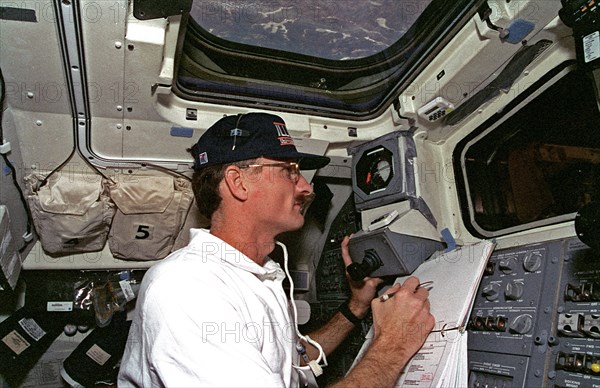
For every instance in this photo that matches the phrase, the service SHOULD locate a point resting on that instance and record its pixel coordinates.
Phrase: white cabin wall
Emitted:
(36, 120)
(467, 62)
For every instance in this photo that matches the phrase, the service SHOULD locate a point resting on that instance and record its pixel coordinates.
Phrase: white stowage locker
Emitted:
(10, 260)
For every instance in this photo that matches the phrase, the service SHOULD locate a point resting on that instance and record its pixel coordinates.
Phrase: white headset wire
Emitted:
(321, 358)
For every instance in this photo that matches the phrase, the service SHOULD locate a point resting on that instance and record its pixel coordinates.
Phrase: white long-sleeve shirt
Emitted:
(207, 315)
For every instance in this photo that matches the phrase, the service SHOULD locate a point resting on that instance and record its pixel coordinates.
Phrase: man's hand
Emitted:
(363, 291)
(401, 324)
(404, 316)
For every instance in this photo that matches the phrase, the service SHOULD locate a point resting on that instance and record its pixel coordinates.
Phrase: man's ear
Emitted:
(234, 181)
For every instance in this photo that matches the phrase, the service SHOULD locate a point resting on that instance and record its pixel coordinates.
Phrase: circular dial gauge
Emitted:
(375, 170)
(379, 174)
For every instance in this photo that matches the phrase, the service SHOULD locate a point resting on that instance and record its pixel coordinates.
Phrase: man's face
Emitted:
(279, 194)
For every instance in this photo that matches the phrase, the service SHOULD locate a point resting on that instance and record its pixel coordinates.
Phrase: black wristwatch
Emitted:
(346, 312)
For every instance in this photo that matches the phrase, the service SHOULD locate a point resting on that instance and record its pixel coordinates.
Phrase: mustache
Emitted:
(306, 201)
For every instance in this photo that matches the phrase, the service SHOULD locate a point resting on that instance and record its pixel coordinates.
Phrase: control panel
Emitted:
(331, 274)
(536, 318)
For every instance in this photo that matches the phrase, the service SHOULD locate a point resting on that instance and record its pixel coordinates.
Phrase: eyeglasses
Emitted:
(291, 169)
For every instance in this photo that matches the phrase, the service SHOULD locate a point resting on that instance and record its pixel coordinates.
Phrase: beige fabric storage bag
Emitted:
(150, 213)
(70, 213)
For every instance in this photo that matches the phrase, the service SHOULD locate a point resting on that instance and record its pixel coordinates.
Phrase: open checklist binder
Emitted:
(455, 277)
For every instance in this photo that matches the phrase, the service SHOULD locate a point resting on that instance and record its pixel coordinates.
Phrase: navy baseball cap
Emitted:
(250, 136)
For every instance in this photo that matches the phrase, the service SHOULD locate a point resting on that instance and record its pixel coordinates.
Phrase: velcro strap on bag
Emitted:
(151, 211)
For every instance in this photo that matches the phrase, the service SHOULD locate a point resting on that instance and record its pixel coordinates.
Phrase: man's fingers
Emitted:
(422, 293)
(345, 252)
(411, 283)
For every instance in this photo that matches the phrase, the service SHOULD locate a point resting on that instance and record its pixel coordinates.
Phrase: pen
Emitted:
(385, 297)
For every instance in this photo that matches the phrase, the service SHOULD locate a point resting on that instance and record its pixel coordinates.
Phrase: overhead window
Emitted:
(539, 166)
(324, 29)
(341, 58)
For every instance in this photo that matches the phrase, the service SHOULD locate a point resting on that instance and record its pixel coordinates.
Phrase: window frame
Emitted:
(461, 149)
(386, 74)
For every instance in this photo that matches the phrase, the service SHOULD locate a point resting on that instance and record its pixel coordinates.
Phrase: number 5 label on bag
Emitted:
(144, 232)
